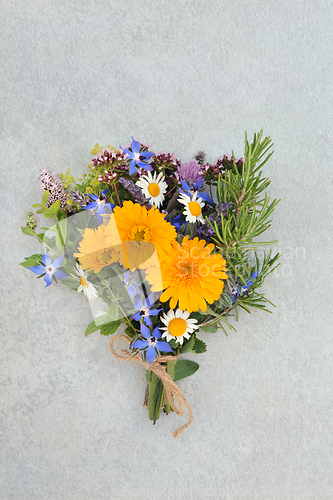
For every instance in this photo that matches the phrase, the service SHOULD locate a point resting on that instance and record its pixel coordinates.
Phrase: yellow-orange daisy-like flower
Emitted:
(94, 251)
(145, 234)
(190, 275)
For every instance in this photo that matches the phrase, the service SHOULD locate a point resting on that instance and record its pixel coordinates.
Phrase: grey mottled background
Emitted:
(182, 75)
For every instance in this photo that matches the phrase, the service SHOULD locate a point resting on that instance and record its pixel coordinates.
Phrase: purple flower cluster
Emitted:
(51, 183)
(166, 162)
(190, 172)
(222, 164)
(108, 156)
(136, 192)
(112, 159)
(227, 163)
(108, 176)
(211, 172)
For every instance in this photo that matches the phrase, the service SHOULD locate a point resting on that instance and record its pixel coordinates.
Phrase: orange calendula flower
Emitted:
(190, 275)
(94, 251)
(145, 234)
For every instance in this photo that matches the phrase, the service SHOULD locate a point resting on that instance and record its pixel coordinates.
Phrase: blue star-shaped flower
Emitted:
(235, 293)
(99, 203)
(177, 222)
(145, 309)
(244, 288)
(240, 289)
(196, 186)
(154, 345)
(135, 156)
(49, 269)
(131, 285)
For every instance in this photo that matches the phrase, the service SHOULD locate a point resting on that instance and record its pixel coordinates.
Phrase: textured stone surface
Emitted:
(182, 75)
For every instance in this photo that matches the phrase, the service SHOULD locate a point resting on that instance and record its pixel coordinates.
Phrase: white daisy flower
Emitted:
(193, 207)
(178, 325)
(85, 286)
(153, 187)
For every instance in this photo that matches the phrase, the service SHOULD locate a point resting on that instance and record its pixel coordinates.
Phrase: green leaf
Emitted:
(61, 215)
(45, 198)
(199, 346)
(55, 207)
(31, 261)
(28, 231)
(130, 332)
(71, 283)
(173, 344)
(97, 323)
(188, 346)
(110, 328)
(92, 327)
(209, 328)
(214, 313)
(184, 368)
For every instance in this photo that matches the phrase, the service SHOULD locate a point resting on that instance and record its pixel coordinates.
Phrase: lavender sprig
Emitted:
(136, 192)
(78, 198)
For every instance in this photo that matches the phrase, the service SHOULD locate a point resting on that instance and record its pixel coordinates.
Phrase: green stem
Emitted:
(171, 366)
(117, 194)
(121, 309)
(193, 231)
(45, 244)
(155, 396)
(210, 189)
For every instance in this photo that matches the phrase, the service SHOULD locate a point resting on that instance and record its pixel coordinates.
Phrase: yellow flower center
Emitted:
(140, 233)
(154, 189)
(105, 255)
(84, 283)
(187, 270)
(194, 208)
(177, 327)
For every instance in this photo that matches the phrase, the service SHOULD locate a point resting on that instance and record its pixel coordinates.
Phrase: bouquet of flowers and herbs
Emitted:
(163, 247)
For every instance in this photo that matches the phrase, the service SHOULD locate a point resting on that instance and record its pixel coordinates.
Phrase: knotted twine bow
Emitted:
(171, 388)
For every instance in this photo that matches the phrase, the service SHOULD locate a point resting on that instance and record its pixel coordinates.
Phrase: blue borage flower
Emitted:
(178, 221)
(145, 309)
(131, 285)
(99, 203)
(242, 289)
(152, 343)
(196, 186)
(135, 156)
(234, 292)
(49, 269)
